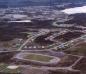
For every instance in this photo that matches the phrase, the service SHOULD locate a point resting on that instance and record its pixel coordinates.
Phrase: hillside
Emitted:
(17, 3)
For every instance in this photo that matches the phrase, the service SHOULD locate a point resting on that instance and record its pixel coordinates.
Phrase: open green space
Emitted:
(5, 70)
(37, 57)
(79, 49)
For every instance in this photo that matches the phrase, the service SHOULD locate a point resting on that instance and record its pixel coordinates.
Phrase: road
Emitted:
(34, 36)
(55, 35)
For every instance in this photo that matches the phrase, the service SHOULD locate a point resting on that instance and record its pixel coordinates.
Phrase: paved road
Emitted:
(31, 38)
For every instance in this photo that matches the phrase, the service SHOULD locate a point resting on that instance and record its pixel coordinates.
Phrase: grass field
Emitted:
(38, 57)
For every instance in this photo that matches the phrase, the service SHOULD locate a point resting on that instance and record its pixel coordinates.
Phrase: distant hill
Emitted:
(17, 3)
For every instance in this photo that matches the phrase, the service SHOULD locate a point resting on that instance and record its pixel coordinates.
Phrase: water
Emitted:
(75, 10)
